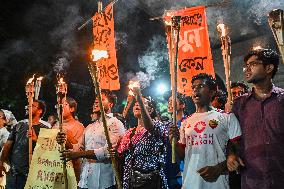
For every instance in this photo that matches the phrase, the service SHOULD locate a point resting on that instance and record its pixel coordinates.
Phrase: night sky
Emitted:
(41, 37)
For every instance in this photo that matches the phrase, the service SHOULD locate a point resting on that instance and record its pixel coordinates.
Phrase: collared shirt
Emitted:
(146, 154)
(262, 124)
(205, 136)
(98, 174)
(19, 154)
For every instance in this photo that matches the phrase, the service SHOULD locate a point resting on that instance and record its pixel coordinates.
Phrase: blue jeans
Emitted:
(15, 181)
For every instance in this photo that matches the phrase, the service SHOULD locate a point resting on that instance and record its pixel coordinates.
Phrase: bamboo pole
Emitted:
(61, 95)
(30, 96)
(175, 30)
(226, 53)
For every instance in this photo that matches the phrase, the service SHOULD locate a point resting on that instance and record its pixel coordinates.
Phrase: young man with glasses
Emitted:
(260, 113)
(16, 149)
(203, 139)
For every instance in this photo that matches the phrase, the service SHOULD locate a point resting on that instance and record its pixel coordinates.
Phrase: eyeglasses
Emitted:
(199, 86)
(251, 64)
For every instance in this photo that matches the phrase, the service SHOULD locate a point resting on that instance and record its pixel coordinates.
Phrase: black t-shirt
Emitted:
(19, 155)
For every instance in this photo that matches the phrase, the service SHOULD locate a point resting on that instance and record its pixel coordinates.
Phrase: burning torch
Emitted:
(30, 95)
(174, 41)
(276, 23)
(130, 97)
(61, 91)
(226, 52)
(97, 55)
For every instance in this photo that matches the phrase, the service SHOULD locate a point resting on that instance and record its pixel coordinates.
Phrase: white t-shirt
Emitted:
(205, 136)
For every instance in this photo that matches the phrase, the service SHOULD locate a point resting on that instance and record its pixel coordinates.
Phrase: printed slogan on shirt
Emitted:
(103, 31)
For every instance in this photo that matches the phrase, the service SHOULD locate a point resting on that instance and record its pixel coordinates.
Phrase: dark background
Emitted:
(41, 37)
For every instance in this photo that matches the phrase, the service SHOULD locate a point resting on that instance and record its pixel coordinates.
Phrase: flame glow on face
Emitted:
(98, 54)
(31, 80)
(131, 85)
(222, 29)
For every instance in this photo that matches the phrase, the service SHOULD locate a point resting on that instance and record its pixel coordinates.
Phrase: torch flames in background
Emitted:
(222, 29)
(39, 78)
(31, 80)
(257, 48)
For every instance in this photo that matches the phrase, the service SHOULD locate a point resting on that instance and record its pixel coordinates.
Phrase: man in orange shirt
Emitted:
(73, 129)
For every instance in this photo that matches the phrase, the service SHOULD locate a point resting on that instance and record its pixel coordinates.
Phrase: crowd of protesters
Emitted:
(221, 145)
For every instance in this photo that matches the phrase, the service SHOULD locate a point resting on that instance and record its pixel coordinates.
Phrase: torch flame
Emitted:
(61, 81)
(31, 80)
(257, 48)
(222, 29)
(98, 54)
(131, 85)
(39, 78)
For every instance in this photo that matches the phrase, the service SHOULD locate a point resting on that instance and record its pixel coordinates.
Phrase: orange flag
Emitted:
(194, 52)
(103, 31)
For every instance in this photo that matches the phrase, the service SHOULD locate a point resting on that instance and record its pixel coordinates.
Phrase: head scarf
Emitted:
(10, 118)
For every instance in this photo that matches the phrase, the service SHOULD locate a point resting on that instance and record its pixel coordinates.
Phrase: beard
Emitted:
(255, 79)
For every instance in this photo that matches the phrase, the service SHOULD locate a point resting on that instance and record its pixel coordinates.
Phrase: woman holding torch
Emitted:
(143, 148)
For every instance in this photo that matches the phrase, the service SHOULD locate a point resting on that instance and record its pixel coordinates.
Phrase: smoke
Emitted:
(153, 61)
(61, 65)
(120, 40)
(260, 8)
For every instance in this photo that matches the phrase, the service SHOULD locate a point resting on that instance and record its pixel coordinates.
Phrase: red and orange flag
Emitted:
(194, 52)
(104, 39)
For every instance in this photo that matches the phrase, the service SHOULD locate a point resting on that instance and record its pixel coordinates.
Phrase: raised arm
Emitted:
(146, 119)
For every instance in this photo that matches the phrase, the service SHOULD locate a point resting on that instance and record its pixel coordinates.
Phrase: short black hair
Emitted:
(267, 56)
(180, 97)
(42, 106)
(222, 97)
(72, 104)
(240, 84)
(209, 80)
(110, 96)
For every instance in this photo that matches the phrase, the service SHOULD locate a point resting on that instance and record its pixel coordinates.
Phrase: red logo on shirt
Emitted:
(200, 126)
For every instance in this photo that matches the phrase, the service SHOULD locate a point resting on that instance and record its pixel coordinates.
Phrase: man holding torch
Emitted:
(96, 169)
(16, 149)
(73, 129)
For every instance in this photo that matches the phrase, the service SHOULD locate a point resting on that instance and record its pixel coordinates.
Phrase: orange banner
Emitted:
(194, 52)
(103, 30)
